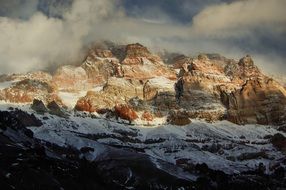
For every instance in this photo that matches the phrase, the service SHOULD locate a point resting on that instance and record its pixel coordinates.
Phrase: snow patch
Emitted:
(162, 82)
(70, 98)
(164, 142)
(7, 84)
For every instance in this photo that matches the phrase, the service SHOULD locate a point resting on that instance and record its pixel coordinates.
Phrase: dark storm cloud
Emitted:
(35, 33)
(22, 9)
(54, 8)
(179, 10)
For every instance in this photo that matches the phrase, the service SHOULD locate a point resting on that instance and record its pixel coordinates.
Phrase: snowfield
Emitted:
(7, 84)
(221, 145)
(70, 99)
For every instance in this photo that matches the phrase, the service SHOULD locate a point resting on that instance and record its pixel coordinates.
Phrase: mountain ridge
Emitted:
(116, 74)
(194, 123)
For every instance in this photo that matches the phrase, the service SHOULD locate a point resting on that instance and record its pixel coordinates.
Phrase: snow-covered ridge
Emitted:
(221, 145)
(170, 143)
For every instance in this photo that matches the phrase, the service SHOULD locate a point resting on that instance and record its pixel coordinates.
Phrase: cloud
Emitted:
(232, 29)
(40, 41)
(241, 17)
(18, 8)
(257, 27)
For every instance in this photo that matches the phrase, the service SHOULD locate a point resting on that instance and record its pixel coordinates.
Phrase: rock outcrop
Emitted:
(116, 91)
(196, 88)
(219, 88)
(140, 64)
(36, 75)
(100, 64)
(180, 60)
(55, 109)
(179, 118)
(98, 71)
(96, 101)
(19, 119)
(123, 76)
(209, 87)
(39, 106)
(244, 70)
(125, 112)
(100, 52)
(164, 102)
(136, 53)
(147, 116)
(154, 86)
(27, 90)
(86, 103)
(71, 78)
(279, 141)
(260, 100)
(124, 88)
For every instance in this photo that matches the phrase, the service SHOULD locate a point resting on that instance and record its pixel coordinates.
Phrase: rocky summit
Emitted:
(133, 119)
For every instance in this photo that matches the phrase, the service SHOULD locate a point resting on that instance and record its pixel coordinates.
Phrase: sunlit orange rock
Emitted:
(147, 116)
(71, 78)
(261, 101)
(125, 112)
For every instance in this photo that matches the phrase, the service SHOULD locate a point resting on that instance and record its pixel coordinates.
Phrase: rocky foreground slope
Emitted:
(84, 152)
(195, 122)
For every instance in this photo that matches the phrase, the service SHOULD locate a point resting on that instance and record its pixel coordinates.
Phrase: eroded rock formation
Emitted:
(208, 86)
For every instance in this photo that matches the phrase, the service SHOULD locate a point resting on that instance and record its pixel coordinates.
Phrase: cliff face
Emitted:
(259, 98)
(134, 54)
(236, 91)
(259, 101)
(71, 78)
(26, 90)
(123, 75)
(139, 63)
(209, 87)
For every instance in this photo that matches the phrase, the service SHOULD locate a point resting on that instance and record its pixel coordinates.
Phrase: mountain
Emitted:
(136, 120)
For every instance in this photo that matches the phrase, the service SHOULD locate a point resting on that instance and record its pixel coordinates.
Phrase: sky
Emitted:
(39, 34)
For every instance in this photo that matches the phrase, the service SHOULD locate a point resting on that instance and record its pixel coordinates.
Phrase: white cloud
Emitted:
(246, 20)
(240, 17)
(41, 41)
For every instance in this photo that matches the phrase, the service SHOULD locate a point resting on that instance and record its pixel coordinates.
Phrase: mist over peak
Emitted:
(37, 34)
